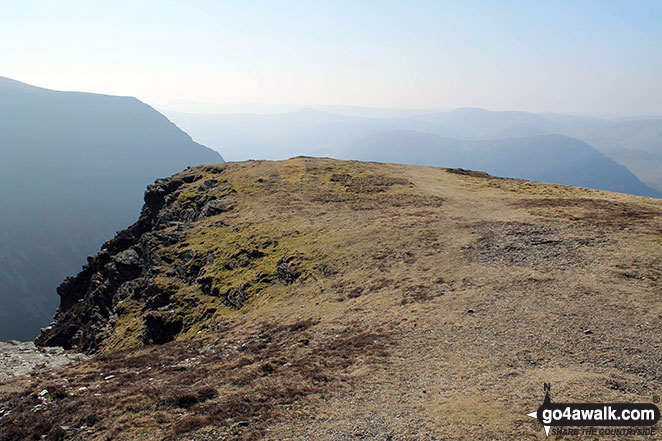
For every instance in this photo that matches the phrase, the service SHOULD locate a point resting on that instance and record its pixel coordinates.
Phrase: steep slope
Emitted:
(61, 154)
(548, 158)
(636, 144)
(322, 299)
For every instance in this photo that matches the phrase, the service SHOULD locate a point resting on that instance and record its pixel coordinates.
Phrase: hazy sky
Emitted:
(579, 56)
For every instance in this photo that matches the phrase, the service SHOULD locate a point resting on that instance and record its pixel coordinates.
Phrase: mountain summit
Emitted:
(320, 299)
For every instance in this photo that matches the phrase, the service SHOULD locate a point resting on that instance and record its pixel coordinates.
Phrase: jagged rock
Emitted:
(188, 268)
(207, 184)
(127, 257)
(236, 298)
(285, 270)
(91, 302)
(214, 207)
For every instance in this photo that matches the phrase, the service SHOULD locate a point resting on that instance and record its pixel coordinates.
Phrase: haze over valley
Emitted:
(73, 170)
(330, 220)
(63, 198)
(337, 131)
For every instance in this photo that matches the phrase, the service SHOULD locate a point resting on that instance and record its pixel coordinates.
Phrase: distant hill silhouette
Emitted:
(474, 123)
(73, 168)
(329, 130)
(546, 158)
(637, 144)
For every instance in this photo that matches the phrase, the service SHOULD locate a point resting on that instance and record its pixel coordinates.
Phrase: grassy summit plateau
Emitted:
(323, 299)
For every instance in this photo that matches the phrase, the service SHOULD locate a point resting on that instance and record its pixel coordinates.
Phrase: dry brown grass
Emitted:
(430, 308)
(236, 382)
(596, 211)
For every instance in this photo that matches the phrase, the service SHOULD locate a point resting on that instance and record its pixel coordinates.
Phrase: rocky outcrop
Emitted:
(286, 269)
(126, 266)
(214, 242)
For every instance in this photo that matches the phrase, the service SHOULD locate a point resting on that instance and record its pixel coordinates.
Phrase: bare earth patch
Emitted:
(330, 300)
(535, 245)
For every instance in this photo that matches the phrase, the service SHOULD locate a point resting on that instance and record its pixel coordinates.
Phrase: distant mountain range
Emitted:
(335, 130)
(547, 158)
(637, 144)
(73, 169)
(73, 166)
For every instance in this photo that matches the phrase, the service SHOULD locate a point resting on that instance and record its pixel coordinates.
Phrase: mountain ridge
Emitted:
(317, 298)
(283, 135)
(133, 267)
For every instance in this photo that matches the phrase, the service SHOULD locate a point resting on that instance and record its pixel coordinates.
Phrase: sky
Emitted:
(582, 56)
